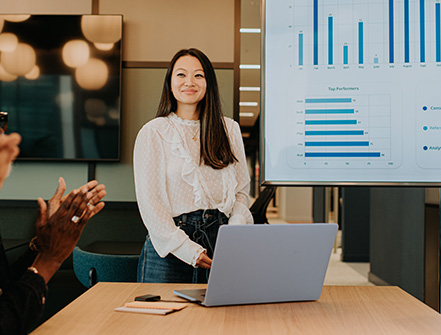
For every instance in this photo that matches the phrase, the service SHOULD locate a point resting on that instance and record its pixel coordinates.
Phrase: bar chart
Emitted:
(366, 32)
(347, 130)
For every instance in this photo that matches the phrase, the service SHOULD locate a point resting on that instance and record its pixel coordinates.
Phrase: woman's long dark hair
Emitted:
(215, 145)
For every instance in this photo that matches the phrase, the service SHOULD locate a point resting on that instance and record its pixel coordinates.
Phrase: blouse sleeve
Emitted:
(240, 213)
(154, 206)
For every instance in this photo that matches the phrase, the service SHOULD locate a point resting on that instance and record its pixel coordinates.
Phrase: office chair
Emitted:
(260, 205)
(91, 267)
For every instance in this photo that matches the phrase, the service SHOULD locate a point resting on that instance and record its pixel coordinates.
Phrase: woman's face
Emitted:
(188, 82)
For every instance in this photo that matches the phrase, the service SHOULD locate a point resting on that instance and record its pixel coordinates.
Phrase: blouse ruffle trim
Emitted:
(190, 172)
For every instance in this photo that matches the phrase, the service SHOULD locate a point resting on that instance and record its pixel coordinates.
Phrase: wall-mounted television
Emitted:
(60, 82)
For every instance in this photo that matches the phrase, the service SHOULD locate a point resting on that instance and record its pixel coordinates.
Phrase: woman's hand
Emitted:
(56, 200)
(60, 223)
(204, 261)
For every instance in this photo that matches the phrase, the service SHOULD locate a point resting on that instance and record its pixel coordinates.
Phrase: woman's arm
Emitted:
(153, 201)
(23, 292)
(21, 303)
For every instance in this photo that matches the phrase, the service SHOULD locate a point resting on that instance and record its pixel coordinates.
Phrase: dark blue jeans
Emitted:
(202, 227)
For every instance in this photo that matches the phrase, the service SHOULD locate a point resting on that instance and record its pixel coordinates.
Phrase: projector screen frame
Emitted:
(312, 182)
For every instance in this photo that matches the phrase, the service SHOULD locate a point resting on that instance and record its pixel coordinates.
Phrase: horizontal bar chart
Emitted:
(329, 122)
(337, 144)
(327, 100)
(343, 154)
(344, 127)
(333, 132)
(330, 111)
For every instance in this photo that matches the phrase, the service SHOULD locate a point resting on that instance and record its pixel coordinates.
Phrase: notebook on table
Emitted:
(266, 264)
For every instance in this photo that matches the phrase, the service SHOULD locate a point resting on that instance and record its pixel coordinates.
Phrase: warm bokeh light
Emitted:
(5, 76)
(101, 29)
(103, 46)
(8, 42)
(20, 61)
(34, 73)
(76, 53)
(93, 75)
(15, 18)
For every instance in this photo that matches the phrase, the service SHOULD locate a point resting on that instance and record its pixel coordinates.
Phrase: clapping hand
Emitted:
(61, 221)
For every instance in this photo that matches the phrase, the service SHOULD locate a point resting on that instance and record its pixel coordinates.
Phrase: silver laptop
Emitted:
(255, 264)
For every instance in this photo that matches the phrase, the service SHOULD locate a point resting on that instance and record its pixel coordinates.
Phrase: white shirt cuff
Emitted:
(188, 252)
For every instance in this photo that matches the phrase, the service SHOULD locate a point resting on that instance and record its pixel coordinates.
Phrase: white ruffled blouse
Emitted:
(169, 181)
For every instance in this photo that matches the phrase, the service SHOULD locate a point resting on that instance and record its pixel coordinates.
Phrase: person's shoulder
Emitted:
(230, 124)
(153, 127)
(158, 123)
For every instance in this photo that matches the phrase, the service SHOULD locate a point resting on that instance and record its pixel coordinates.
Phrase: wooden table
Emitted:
(340, 310)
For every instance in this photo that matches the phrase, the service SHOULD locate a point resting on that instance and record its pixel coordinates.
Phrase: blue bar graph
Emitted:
(438, 31)
(422, 33)
(343, 154)
(333, 132)
(330, 40)
(327, 100)
(329, 122)
(360, 42)
(337, 144)
(330, 111)
(315, 31)
(391, 31)
(411, 24)
(406, 32)
(337, 131)
(345, 54)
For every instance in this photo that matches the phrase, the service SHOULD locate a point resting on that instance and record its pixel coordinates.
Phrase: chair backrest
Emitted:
(90, 267)
(260, 205)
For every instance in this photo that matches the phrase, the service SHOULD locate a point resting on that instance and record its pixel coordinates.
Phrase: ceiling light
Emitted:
(249, 104)
(249, 66)
(249, 89)
(250, 30)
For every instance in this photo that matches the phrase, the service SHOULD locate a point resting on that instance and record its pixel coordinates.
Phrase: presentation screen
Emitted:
(351, 92)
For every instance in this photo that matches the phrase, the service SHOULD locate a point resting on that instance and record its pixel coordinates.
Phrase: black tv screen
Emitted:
(60, 82)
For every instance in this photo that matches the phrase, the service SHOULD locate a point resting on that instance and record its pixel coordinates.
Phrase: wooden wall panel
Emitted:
(46, 7)
(155, 30)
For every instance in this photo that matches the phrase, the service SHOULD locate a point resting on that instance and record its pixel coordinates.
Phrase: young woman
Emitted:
(190, 174)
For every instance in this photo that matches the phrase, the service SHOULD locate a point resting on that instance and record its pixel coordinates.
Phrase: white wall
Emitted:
(295, 204)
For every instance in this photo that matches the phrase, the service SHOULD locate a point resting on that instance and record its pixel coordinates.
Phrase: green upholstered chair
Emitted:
(92, 267)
